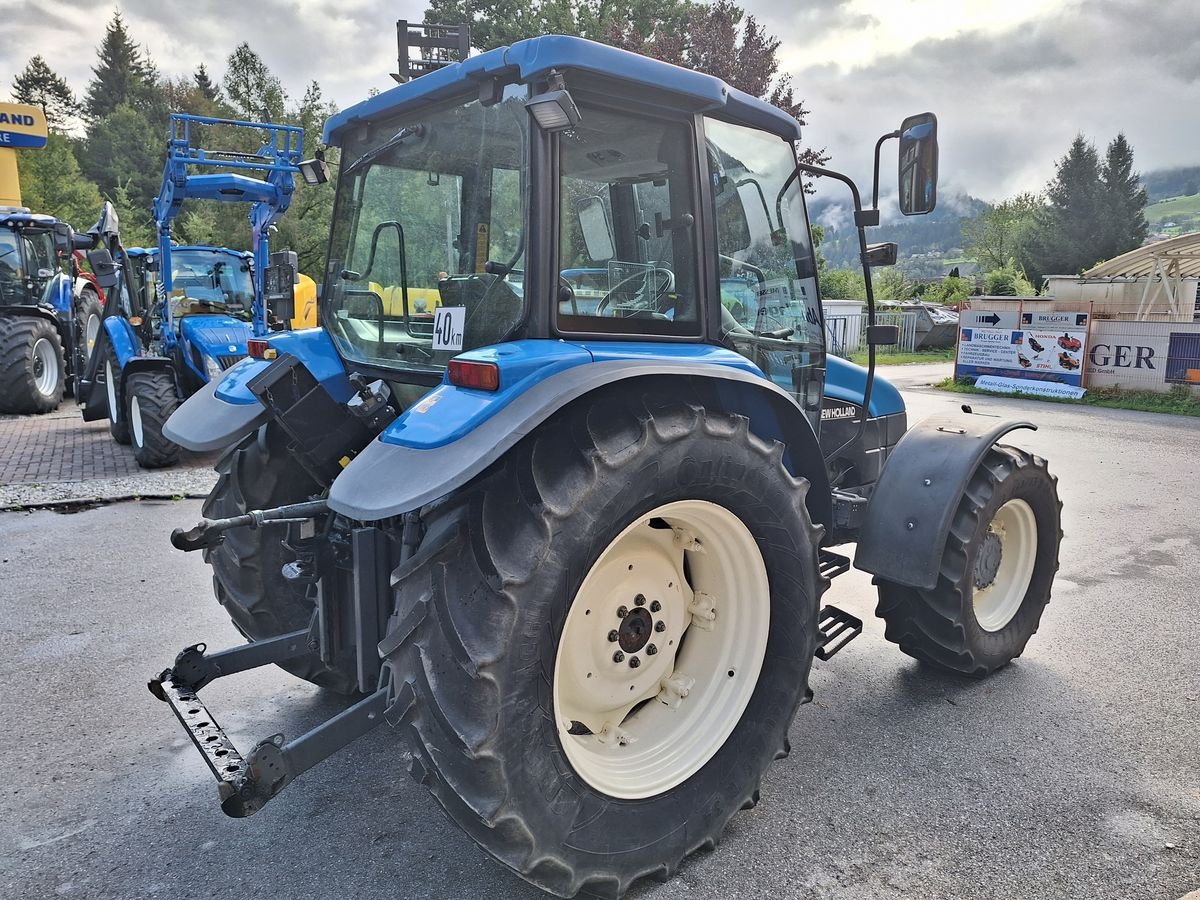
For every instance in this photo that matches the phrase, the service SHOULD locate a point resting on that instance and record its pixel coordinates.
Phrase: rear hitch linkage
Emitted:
(245, 784)
(208, 533)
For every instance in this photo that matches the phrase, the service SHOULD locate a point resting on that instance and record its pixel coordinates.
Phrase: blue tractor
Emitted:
(576, 554)
(49, 312)
(183, 314)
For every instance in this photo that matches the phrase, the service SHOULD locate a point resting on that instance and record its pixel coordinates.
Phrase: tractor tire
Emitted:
(259, 473)
(150, 399)
(32, 372)
(498, 677)
(88, 315)
(118, 418)
(996, 571)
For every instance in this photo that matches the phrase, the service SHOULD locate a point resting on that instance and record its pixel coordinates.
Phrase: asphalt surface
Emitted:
(1073, 773)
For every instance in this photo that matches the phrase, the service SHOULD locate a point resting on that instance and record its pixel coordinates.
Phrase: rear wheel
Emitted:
(151, 400)
(259, 473)
(118, 420)
(600, 644)
(87, 315)
(996, 571)
(31, 365)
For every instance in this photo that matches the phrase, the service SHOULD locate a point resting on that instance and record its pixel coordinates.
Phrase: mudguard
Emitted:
(120, 335)
(224, 411)
(913, 505)
(381, 481)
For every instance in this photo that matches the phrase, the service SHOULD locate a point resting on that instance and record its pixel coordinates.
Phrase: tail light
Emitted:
(483, 376)
(260, 349)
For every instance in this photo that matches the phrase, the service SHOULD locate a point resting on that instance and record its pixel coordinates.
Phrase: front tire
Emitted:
(548, 749)
(31, 365)
(151, 398)
(118, 419)
(996, 573)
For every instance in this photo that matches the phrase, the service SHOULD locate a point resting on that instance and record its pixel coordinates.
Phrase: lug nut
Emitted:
(613, 636)
(618, 656)
(622, 612)
(660, 626)
(655, 606)
(634, 662)
(651, 649)
(640, 599)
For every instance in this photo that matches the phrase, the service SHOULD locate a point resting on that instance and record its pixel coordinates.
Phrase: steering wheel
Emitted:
(623, 286)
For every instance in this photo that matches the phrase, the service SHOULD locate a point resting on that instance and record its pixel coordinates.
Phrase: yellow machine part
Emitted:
(306, 303)
(10, 184)
(421, 301)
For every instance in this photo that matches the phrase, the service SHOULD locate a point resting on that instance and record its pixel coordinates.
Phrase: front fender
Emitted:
(122, 338)
(381, 481)
(912, 507)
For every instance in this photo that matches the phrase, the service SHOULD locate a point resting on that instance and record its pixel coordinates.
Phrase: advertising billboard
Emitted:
(1036, 346)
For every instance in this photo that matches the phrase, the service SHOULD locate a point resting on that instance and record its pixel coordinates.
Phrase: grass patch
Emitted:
(886, 358)
(1175, 208)
(1179, 401)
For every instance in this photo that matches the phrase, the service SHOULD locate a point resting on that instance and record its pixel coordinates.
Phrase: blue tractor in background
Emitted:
(49, 312)
(183, 314)
(574, 553)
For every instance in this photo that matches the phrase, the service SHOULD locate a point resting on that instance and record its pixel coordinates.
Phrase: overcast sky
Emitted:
(1012, 81)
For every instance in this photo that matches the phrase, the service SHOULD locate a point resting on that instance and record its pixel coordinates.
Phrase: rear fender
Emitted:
(224, 411)
(380, 483)
(913, 505)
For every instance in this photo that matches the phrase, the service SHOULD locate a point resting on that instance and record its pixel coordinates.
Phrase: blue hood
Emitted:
(215, 335)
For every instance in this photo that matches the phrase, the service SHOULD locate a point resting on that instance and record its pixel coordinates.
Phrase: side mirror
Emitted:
(103, 267)
(63, 243)
(918, 164)
(597, 236)
(80, 241)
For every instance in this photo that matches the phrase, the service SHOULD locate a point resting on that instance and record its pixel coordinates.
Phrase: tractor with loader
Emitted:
(577, 554)
(182, 314)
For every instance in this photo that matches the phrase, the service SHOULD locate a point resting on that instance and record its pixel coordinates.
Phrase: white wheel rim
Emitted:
(45, 367)
(110, 384)
(654, 726)
(1000, 589)
(90, 332)
(135, 421)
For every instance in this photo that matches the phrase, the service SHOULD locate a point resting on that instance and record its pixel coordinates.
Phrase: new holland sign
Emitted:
(22, 126)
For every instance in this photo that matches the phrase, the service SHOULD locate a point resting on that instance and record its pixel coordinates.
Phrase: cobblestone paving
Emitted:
(58, 457)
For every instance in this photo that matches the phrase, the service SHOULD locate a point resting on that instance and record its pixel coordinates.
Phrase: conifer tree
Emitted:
(121, 75)
(39, 85)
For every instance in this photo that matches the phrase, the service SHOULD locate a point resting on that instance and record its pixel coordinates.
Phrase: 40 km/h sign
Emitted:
(1033, 346)
(22, 127)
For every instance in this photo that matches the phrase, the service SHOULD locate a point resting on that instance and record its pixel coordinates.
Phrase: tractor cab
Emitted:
(31, 273)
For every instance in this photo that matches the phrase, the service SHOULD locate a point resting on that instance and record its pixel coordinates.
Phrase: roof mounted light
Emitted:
(315, 171)
(554, 110)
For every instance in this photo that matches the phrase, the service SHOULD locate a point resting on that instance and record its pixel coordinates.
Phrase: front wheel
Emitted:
(600, 644)
(151, 400)
(996, 572)
(118, 418)
(31, 365)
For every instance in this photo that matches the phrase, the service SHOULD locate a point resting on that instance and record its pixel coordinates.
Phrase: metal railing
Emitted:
(848, 334)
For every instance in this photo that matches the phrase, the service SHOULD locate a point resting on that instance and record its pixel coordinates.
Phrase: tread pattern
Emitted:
(460, 639)
(18, 391)
(157, 398)
(937, 626)
(259, 474)
(118, 428)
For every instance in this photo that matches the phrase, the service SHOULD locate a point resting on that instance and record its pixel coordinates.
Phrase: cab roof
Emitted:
(153, 251)
(534, 58)
(19, 215)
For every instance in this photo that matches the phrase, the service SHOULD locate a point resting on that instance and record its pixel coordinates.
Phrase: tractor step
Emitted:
(837, 628)
(833, 564)
(245, 784)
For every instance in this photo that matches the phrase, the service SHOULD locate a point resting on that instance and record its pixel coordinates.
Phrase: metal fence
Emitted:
(848, 334)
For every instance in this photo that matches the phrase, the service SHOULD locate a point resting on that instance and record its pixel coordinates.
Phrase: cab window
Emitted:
(627, 242)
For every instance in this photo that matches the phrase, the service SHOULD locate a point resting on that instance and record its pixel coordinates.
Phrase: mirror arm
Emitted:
(860, 223)
(879, 146)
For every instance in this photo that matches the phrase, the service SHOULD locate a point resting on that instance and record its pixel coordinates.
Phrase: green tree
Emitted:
(950, 290)
(253, 91)
(1124, 199)
(52, 183)
(205, 85)
(842, 284)
(892, 284)
(122, 76)
(1007, 281)
(1001, 232)
(137, 224)
(124, 148)
(39, 85)
(1069, 230)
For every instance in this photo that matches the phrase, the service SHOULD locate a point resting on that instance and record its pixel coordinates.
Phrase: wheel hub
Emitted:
(635, 630)
(987, 561)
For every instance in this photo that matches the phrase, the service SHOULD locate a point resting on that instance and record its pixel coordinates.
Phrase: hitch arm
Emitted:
(209, 533)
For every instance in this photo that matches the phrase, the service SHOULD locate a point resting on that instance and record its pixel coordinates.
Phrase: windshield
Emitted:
(28, 264)
(11, 268)
(428, 244)
(205, 277)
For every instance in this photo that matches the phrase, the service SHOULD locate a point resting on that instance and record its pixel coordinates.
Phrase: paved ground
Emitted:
(59, 458)
(1073, 773)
